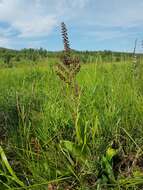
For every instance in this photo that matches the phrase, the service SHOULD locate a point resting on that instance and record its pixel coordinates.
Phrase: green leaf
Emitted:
(107, 168)
(76, 150)
(110, 153)
(7, 165)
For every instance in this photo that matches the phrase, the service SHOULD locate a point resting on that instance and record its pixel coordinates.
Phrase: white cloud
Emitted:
(105, 34)
(36, 17)
(121, 13)
(29, 19)
(36, 27)
(4, 42)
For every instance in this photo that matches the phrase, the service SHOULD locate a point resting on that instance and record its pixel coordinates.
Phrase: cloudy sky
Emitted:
(92, 24)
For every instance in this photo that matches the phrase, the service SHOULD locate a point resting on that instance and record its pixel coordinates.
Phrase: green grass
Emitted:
(43, 144)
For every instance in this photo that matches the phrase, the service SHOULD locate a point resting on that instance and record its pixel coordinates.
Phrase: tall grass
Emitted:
(38, 133)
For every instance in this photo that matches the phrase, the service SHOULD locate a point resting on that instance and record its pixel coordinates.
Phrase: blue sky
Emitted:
(92, 24)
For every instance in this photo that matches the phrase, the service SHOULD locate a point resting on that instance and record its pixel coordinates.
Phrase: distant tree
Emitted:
(8, 60)
(17, 58)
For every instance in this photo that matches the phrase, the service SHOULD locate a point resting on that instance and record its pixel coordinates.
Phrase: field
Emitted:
(51, 140)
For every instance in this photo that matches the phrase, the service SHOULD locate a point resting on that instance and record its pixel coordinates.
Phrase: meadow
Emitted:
(49, 140)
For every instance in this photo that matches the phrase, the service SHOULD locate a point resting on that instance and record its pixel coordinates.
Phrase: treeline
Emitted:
(99, 56)
(9, 57)
(102, 56)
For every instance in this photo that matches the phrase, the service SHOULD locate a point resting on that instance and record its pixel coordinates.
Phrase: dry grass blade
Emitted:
(52, 187)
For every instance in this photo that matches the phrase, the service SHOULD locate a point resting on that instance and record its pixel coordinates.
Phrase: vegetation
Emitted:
(27, 57)
(70, 126)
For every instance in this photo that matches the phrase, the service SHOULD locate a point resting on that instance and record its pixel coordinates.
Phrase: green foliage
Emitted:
(44, 146)
(14, 58)
(6, 164)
